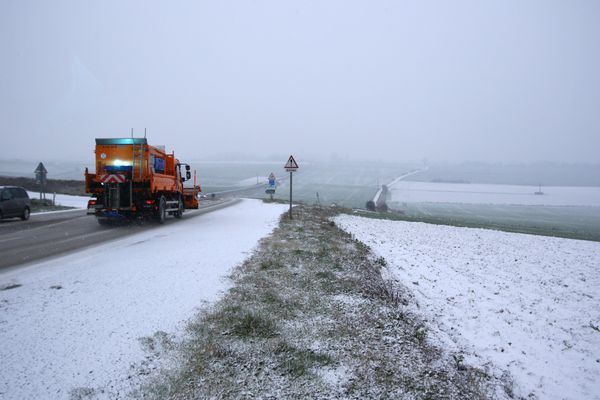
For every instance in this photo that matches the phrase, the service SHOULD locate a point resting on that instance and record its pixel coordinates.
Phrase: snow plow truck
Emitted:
(134, 180)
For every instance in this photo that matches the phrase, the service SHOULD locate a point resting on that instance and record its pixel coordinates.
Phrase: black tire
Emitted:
(179, 213)
(25, 214)
(162, 211)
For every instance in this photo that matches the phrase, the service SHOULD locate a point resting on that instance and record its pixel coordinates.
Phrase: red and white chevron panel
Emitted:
(112, 178)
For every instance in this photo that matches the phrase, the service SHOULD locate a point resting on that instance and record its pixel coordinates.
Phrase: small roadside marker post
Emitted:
(40, 177)
(291, 166)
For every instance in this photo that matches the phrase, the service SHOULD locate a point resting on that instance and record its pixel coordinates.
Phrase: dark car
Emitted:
(14, 202)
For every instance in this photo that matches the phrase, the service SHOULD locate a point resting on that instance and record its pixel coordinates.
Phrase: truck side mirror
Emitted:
(188, 175)
(187, 168)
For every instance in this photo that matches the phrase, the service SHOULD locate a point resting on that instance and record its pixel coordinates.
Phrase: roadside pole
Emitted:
(291, 174)
(291, 166)
(40, 177)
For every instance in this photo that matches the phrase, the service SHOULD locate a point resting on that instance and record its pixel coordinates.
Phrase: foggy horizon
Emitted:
(506, 82)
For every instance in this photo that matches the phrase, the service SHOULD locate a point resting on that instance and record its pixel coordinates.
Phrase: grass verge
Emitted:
(310, 316)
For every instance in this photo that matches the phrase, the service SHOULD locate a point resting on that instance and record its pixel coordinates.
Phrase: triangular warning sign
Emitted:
(40, 169)
(291, 164)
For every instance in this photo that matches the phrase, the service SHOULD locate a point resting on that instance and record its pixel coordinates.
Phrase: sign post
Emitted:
(272, 184)
(40, 178)
(291, 166)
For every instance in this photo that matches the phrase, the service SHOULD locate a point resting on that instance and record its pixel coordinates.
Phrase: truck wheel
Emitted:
(162, 210)
(179, 212)
(25, 215)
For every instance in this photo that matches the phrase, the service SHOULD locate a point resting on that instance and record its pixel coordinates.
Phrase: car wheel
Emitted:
(26, 213)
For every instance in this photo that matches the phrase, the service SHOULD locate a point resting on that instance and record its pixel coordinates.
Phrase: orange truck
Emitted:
(134, 180)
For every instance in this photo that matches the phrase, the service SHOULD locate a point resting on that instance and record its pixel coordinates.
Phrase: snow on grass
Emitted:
(309, 316)
(436, 192)
(77, 323)
(530, 304)
(64, 199)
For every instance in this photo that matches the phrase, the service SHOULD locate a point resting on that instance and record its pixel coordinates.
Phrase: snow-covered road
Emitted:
(528, 304)
(76, 321)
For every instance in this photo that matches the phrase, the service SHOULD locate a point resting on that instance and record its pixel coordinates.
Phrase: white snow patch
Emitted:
(86, 333)
(348, 300)
(64, 199)
(526, 303)
(335, 376)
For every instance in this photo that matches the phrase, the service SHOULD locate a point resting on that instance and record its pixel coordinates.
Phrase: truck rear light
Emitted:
(149, 201)
(91, 203)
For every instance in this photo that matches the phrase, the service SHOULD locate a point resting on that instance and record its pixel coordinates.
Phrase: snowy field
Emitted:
(526, 304)
(433, 192)
(77, 321)
(64, 199)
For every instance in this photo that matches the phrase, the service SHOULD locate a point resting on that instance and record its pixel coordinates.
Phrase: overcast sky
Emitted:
(510, 81)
